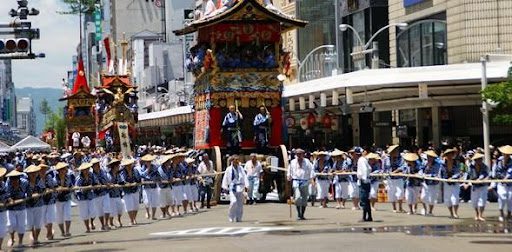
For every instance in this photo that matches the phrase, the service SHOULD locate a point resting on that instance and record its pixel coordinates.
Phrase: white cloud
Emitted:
(59, 38)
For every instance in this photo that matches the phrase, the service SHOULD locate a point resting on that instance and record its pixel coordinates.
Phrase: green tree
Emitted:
(77, 6)
(58, 125)
(501, 93)
(45, 109)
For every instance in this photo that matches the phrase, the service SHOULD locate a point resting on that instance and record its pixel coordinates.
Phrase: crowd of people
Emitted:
(38, 190)
(412, 177)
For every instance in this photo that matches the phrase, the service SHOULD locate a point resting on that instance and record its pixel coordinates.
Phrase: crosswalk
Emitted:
(218, 231)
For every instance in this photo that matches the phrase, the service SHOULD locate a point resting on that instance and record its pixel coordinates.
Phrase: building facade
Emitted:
(26, 116)
(409, 106)
(449, 32)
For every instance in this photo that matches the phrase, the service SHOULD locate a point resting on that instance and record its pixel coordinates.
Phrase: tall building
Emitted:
(449, 32)
(7, 94)
(26, 116)
(132, 17)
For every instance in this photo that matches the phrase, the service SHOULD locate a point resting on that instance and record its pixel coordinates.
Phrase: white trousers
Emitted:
(152, 200)
(412, 194)
(131, 201)
(353, 190)
(479, 196)
(188, 192)
(102, 204)
(87, 209)
(179, 194)
(395, 189)
(17, 221)
(34, 217)
(429, 193)
(341, 189)
(63, 211)
(504, 197)
(48, 214)
(374, 189)
(166, 198)
(236, 206)
(451, 194)
(322, 186)
(116, 206)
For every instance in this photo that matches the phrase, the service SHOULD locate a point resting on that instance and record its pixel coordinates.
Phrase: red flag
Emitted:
(106, 41)
(80, 80)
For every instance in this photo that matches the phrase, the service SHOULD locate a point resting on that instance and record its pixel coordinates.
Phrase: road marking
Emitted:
(216, 231)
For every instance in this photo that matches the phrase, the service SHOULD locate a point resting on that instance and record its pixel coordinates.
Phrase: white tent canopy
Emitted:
(4, 147)
(31, 143)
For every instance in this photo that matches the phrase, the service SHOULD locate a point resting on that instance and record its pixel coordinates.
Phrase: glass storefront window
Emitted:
(321, 29)
(422, 44)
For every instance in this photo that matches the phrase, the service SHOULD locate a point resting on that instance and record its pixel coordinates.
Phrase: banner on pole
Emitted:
(124, 139)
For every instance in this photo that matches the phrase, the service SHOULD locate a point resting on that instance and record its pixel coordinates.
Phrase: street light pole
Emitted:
(364, 47)
(485, 115)
(301, 64)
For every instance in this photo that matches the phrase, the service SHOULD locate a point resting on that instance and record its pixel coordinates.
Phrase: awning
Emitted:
(397, 77)
(169, 117)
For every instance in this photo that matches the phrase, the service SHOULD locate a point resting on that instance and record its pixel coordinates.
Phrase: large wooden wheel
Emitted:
(284, 195)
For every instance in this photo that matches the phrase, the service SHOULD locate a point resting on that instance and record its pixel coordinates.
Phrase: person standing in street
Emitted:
(206, 180)
(17, 188)
(35, 204)
(413, 185)
(254, 171)
(394, 163)
(451, 190)
(478, 171)
(431, 169)
(65, 181)
(323, 181)
(300, 173)
(363, 180)
(503, 170)
(340, 182)
(85, 195)
(235, 181)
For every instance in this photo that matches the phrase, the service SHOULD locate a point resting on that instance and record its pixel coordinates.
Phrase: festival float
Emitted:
(79, 113)
(239, 61)
(116, 108)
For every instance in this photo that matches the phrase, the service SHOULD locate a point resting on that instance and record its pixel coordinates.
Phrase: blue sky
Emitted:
(59, 38)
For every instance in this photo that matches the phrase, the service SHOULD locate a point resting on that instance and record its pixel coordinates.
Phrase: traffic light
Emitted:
(23, 12)
(21, 45)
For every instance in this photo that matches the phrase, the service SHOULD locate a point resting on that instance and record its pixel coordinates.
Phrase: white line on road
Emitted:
(216, 231)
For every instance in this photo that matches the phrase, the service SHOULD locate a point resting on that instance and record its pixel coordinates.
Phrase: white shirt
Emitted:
(86, 141)
(203, 169)
(363, 170)
(298, 172)
(76, 138)
(234, 179)
(253, 170)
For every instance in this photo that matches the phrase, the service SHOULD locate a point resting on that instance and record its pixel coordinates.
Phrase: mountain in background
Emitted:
(52, 95)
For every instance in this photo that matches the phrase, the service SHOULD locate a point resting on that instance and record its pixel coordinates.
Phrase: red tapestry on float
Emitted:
(215, 127)
(277, 127)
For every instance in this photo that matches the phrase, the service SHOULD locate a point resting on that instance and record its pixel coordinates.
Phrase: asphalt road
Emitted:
(269, 227)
